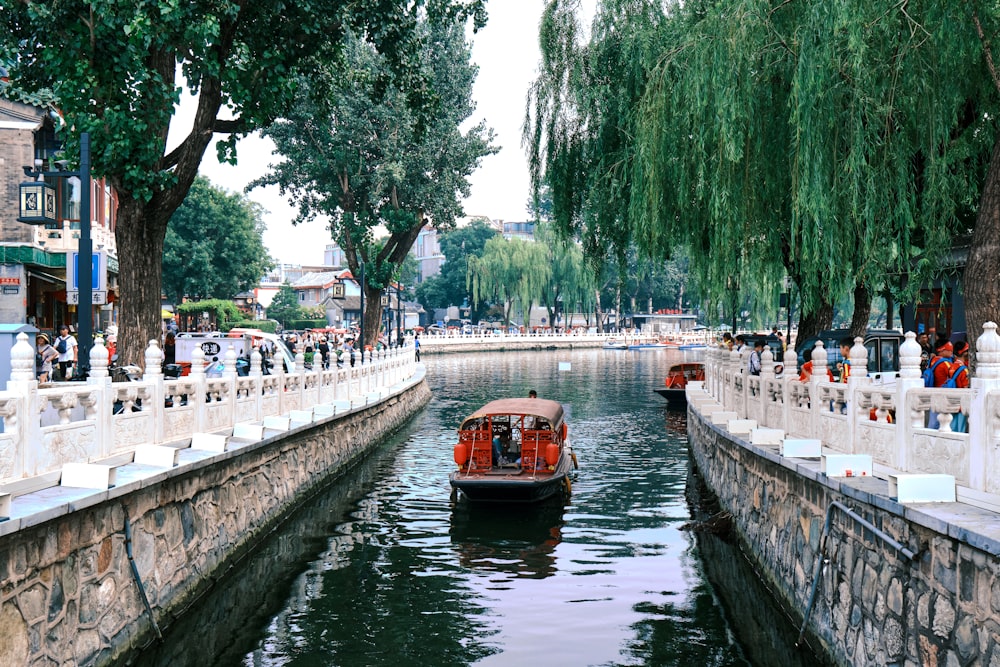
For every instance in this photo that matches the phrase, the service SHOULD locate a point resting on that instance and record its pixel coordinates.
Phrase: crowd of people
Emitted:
(945, 364)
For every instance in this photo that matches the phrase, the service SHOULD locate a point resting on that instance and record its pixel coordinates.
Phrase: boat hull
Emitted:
(512, 485)
(673, 396)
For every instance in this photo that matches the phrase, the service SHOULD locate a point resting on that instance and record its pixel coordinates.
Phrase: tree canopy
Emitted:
(357, 155)
(214, 246)
(842, 144)
(112, 69)
(285, 305)
(450, 287)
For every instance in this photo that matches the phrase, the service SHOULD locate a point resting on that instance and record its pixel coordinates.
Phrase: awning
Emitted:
(46, 277)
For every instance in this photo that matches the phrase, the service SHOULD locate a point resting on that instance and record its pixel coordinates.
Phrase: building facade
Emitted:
(33, 258)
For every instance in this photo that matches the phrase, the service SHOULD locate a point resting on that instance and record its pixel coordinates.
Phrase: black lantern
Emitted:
(38, 203)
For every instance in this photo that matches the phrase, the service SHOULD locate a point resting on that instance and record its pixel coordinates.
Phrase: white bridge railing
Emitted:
(43, 428)
(884, 416)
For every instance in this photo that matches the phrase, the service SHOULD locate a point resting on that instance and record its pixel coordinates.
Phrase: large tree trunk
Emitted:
(139, 237)
(373, 315)
(982, 289)
(813, 321)
(862, 311)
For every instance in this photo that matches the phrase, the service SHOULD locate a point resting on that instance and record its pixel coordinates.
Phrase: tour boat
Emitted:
(677, 378)
(513, 450)
(640, 344)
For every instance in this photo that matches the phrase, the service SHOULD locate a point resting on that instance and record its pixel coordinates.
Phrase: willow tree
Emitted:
(843, 131)
(837, 143)
(356, 154)
(512, 272)
(580, 118)
(112, 69)
(571, 281)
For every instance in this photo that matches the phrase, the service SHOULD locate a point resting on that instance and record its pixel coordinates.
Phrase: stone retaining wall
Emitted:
(67, 595)
(874, 607)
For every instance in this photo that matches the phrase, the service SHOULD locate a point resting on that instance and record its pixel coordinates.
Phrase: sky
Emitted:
(507, 54)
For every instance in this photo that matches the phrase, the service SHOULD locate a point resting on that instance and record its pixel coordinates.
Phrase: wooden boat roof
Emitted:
(552, 411)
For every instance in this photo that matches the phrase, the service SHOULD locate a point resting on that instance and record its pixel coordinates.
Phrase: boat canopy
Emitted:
(550, 411)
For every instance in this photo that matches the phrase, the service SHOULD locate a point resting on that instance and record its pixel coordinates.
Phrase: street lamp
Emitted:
(399, 316)
(38, 200)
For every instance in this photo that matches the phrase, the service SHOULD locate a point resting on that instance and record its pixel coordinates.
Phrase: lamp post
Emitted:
(38, 207)
(399, 316)
(361, 336)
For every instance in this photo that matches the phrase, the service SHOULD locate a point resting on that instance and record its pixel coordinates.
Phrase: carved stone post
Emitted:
(153, 374)
(101, 382)
(818, 375)
(908, 380)
(197, 399)
(24, 421)
(984, 464)
(858, 378)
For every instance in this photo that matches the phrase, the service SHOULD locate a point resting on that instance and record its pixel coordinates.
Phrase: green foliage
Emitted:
(267, 326)
(358, 154)
(112, 69)
(450, 287)
(304, 323)
(214, 246)
(842, 144)
(285, 306)
(222, 311)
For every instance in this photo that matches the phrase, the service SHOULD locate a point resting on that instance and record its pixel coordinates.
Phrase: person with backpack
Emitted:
(937, 373)
(66, 347)
(959, 379)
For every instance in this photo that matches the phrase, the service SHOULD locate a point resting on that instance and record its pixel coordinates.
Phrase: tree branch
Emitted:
(986, 50)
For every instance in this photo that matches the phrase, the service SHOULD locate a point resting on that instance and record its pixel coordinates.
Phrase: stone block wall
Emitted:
(874, 606)
(67, 594)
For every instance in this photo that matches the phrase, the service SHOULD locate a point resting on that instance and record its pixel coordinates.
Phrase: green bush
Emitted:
(267, 326)
(299, 325)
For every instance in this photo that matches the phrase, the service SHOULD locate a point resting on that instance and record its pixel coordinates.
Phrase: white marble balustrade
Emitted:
(883, 416)
(44, 428)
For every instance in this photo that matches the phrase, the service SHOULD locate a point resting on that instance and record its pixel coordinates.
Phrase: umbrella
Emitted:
(166, 314)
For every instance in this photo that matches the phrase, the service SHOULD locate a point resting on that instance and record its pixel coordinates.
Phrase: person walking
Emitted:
(66, 346)
(416, 346)
(44, 356)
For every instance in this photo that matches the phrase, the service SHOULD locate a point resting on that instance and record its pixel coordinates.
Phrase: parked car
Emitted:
(882, 345)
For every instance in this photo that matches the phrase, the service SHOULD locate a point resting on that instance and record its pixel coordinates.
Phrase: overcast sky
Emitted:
(506, 51)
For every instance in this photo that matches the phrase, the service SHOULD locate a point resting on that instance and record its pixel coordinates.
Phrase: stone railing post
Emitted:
(257, 373)
(153, 374)
(984, 465)
(230, 374)
(335, 367)
(100, 378)
(26, 422)
(300, 369)
(197, 398)
(908, 380)
(766, 376)
(279, 370)
(818, 375)
(789, 375)
(858, 378)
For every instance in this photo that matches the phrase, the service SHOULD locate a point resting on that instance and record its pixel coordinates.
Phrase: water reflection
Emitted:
(520, 541)
(384, 569)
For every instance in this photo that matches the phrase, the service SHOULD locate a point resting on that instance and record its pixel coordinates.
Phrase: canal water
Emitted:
(384, 569)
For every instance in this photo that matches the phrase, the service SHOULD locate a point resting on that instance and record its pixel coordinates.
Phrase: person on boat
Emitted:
(532, 394)
(497, 451)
